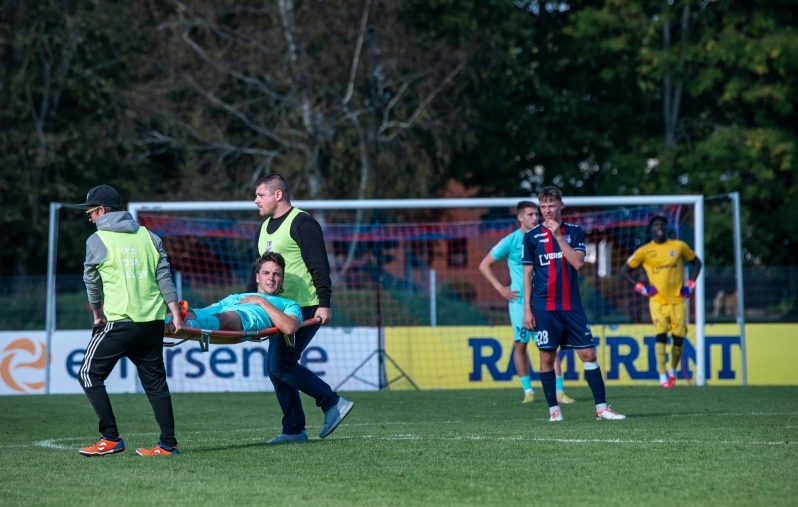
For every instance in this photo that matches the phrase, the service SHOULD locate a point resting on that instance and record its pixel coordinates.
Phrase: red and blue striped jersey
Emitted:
(555, 285)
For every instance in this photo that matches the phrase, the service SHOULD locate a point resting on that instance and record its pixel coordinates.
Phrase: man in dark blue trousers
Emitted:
(298, 237)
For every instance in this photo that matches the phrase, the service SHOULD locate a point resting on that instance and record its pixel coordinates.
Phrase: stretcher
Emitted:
(218, 336)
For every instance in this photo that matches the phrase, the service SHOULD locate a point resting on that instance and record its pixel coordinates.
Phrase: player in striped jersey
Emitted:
(554, 252)
(510, 248)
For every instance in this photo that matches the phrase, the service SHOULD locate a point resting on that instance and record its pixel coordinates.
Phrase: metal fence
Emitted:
(771, 295)
(23, 303)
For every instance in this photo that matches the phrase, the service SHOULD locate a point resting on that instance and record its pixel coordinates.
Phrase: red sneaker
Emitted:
(158, 450)
(183, 305)
(102, 447)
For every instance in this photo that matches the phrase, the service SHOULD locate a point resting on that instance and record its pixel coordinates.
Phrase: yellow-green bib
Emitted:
(298, 283)
(130, 289)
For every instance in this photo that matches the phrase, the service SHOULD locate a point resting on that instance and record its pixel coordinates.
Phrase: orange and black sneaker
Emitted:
(158, 450)
(183, 305)
(102, 447)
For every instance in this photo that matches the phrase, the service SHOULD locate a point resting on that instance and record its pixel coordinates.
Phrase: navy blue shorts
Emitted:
(563, 329)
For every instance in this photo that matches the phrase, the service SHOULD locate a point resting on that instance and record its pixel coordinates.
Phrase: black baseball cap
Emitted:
(103, 195)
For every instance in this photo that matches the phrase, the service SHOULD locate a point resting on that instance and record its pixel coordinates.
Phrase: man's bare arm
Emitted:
(529, 319)
(177, 324)
(287, 324)
(626, 274)
(486, 268)
(574, 258)
(697, 265)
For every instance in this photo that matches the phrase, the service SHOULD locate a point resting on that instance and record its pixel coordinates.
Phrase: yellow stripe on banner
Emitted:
(772, 350)
(443, 357)
(481, 356)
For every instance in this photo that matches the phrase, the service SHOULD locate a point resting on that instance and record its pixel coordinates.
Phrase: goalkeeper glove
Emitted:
(687, 290)
(646, 290)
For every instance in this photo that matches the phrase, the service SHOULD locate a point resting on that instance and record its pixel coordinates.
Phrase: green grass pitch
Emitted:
(678, 447)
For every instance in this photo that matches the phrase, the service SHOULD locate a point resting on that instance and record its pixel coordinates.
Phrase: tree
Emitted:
(643, 97)
(737, 131)
(248, 90)
(62, 70)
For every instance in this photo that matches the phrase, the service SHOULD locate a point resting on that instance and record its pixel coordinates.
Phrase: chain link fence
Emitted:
(771, 295)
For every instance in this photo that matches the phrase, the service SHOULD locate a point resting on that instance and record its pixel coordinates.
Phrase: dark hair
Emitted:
(522, 205)
(111, 209)
(657, 218)
(271, 257)
(275, 182)
(549, 194)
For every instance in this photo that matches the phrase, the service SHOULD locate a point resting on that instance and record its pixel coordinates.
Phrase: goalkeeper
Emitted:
(252, 311)
(663, 261)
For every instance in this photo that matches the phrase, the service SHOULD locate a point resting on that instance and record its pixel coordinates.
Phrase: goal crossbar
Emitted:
(468, 202)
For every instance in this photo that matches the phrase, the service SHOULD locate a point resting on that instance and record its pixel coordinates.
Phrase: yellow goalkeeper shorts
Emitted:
(669, 318)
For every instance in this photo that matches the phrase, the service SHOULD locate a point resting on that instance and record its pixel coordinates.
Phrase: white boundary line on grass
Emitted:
(563, 440)
(54, 443)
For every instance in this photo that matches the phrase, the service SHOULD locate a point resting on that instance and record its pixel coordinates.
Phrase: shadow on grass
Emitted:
(254, 445)
(693, 415)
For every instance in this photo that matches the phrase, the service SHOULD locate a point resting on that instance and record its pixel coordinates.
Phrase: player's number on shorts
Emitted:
(542, 338)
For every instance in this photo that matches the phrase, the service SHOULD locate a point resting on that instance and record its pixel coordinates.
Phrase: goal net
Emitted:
(410, 308)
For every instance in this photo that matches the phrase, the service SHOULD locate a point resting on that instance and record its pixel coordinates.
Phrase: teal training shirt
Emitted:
(510, 248)
(286, 306)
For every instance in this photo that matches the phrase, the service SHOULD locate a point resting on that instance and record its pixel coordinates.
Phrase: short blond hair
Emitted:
(550, 194)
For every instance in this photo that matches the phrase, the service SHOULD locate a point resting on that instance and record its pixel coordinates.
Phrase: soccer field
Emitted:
(678, 447)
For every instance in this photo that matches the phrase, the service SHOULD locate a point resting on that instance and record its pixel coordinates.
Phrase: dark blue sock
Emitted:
(596, 383)
(549, 381)
(166, 447)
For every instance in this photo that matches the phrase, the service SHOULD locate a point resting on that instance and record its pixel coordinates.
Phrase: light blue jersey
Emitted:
(510, 248)
(253, 318)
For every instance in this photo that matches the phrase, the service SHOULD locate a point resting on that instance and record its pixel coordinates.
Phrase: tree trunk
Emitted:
(672, 93)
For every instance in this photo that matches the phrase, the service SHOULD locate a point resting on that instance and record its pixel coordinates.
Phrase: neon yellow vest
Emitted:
(298, 283)
(130, 289)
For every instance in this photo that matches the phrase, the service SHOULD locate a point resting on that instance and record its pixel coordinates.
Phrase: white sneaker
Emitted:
(555, 416)
(609, 413)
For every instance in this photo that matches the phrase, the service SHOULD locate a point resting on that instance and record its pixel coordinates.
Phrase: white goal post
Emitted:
(697, 201)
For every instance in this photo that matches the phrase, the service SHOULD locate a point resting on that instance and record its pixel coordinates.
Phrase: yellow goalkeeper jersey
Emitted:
(664, 265)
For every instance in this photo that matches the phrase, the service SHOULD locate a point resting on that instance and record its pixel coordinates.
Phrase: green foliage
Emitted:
(580, 104)
(64, 66)
(28, 312)
(580, 95)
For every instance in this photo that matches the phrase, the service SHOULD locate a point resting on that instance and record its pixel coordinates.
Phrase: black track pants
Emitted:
(142, 343)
